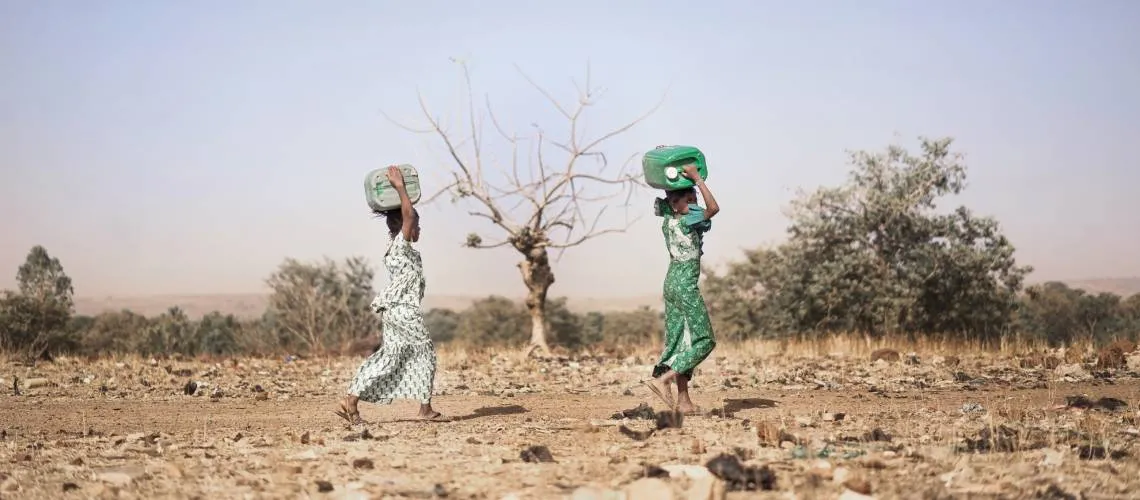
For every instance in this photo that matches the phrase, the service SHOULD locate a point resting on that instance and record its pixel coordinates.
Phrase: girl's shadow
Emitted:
(731, 406)
(492, 411)
(486, 411)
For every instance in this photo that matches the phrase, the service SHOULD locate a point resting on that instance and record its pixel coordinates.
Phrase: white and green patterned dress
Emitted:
(404, 366)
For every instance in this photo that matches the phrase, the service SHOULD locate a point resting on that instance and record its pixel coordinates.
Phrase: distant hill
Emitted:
(1125, 287)
(252, 305)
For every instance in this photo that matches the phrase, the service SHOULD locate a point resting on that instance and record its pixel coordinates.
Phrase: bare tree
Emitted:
(550, 195)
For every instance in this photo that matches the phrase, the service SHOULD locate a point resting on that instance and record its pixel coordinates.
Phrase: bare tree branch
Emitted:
(485, 246)
(540, 190)
(544, 92)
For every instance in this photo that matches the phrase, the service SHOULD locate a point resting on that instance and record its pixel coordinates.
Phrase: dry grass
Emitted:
(850, 345)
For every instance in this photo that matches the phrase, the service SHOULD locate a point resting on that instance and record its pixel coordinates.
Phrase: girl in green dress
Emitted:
(688, 332)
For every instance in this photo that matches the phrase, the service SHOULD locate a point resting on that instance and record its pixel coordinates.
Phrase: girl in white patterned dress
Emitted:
(404, 366)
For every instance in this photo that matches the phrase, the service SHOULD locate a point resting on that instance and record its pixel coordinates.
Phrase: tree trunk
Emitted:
(538, 277)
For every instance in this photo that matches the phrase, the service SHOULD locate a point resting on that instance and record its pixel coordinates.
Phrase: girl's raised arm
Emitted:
(406, 212)
(711, 206)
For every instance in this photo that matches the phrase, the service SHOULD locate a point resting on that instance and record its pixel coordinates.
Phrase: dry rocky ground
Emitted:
(983, 426)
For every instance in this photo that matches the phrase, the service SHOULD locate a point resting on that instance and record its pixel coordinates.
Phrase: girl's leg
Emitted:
(674, 335)
(420, 380)
(701, 343)
(417, 379)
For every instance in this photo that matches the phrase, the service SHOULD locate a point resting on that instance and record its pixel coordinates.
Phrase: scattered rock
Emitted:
(190, 388)
(536, 454)
(654, 471)
(968, 408)
(877, 434)
(708, 488)
(1132, 362)
(1054, 492)
(822, 469)
(635, 435)
(35, 383)
(648, 488)
(642, 412)
(852, 495)
(858, 485)
(1083, 402)
(1053, 458)
(324, 486)
(596, 493)
(307, 455)
(737, 477)
(115, 478)
(840, 474)
(902, 452)
(9, 484)
(1072, 373)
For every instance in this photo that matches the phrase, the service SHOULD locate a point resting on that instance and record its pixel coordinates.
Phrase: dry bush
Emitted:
(1113, 355)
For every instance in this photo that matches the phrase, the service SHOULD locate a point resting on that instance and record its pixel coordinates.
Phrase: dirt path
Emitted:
(123, 416)
(145, 439)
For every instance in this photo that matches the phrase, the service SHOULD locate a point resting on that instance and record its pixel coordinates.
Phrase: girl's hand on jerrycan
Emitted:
(395, 177)
(692, 173)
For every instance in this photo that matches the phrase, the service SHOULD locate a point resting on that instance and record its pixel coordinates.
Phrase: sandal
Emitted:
(667, 398)
(350, 416)
(436, 417)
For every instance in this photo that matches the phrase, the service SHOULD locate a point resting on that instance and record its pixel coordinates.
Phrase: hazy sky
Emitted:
(189, 147)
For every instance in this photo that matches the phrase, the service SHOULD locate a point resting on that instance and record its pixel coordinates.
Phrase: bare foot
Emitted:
(660, 389)
(688, 408)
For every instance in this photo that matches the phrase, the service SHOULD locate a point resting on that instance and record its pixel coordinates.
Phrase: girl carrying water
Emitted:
(688, 331)
(404, 366)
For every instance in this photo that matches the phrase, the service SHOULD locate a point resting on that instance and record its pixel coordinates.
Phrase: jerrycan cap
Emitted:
(671, 172)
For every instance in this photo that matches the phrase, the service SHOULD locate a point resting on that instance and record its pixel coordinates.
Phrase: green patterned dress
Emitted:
(688, 331)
